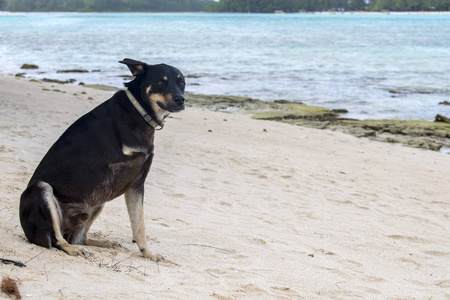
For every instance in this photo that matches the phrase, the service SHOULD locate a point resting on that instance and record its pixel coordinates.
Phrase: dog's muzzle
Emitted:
(176, 104)
(178, 99)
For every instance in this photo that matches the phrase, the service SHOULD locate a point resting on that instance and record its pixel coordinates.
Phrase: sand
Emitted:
(241, 209)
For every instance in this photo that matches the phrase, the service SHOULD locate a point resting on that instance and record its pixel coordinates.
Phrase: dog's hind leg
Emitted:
(134, 198)
(35, 216)
(40, 216)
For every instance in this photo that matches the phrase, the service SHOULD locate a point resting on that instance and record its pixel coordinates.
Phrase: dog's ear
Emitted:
(136, 67)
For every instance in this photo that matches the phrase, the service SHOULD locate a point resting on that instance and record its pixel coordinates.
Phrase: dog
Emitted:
(104, 154)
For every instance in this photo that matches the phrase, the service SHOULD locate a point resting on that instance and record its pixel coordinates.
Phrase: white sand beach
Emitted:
(240, 208)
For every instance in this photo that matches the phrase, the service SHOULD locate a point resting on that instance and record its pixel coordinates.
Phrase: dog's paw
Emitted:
(76, 250)
(85, 252)
(153, 257)
(110, 245)
(114, 244)
(158, 258)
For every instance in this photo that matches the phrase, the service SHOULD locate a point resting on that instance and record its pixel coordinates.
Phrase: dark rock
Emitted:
(72, 71)
(20, 74)
(444, 103)
(340, 111)
(29, 66)
(442, 119)
(412, 91)
(126, 77)
(287, 102)
(418, 134)
(58, 81)
(396, 92)
(192, 76)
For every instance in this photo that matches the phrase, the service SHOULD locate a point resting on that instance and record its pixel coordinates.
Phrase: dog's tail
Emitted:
(39, 213)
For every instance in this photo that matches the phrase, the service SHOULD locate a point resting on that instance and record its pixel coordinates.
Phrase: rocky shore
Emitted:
(419, 134)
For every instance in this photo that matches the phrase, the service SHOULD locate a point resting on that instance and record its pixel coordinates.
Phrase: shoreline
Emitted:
(412, 133)
(2, 13)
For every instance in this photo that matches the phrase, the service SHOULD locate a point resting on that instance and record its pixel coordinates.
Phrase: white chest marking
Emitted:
(129, 151)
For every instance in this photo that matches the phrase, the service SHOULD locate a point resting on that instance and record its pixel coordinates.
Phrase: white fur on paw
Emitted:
(153, 257)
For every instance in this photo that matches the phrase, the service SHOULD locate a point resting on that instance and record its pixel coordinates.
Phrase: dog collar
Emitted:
(143, 113)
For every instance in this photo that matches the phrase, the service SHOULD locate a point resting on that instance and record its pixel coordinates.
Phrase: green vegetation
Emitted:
(255, 6)
(269, 6)
(102, 87)
(411, 5)
(103, 5)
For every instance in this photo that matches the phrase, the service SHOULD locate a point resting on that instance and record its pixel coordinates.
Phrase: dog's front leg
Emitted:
(135, 205)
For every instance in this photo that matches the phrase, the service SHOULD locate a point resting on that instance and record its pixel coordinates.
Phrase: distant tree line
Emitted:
(411, 5)
(104, 5)
(255, 6)
(269, 6)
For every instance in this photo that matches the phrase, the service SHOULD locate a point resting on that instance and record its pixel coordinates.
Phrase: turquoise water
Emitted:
(376, 66)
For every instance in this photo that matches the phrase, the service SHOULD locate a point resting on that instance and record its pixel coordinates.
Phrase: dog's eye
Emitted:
(163, 82)
(182, 83)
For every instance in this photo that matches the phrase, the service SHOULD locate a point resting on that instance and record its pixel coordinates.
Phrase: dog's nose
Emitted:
(179, 99)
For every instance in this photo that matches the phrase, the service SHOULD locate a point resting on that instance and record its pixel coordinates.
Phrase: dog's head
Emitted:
(159, 86)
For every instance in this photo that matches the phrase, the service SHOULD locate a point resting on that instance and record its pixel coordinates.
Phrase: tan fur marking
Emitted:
(136, 212)
(102, 243)
(165, 78)
(55, 213)
(159, 112)
(138, 70)
(135, 208)
(178, 76)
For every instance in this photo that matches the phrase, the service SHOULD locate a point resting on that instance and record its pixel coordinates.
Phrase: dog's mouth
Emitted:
(172, 106)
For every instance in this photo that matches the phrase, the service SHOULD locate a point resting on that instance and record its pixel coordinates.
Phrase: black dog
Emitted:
(104, 154)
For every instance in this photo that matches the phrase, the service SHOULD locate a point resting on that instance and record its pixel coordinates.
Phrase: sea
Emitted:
(377, 66)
